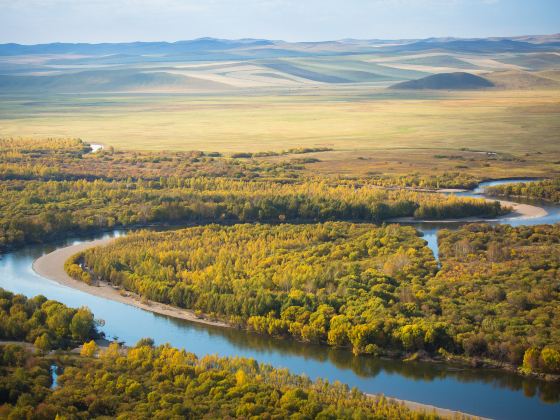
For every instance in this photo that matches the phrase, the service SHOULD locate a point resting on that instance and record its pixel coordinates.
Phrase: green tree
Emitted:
(550, 360)
(531, 359)
(89, 349)
(82, 324)
(43, 343)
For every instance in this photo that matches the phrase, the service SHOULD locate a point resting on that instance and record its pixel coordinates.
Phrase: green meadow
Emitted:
(388, 131)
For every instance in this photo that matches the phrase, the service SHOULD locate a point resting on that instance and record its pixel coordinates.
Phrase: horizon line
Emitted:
(288, 42)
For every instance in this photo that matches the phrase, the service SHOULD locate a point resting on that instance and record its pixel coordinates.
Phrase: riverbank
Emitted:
(51, 266)
(430, 409)
(414, 406)
(518, 211)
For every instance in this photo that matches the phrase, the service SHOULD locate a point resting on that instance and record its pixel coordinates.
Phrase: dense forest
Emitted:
(547, 189)
(38, 207)
(45, 323)
(501, 286)
(147, 382)
(374, 289)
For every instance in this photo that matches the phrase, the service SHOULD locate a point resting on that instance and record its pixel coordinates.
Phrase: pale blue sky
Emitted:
(41, 21)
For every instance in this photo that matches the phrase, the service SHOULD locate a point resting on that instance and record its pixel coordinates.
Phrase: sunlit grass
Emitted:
(493, 120)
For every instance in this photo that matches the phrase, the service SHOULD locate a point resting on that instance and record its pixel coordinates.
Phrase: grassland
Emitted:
(512, 121)
(388, 132)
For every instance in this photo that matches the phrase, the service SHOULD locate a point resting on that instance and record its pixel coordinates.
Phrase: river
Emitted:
(489, 393)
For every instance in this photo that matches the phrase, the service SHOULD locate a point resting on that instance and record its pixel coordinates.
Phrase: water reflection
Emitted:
(370, 367)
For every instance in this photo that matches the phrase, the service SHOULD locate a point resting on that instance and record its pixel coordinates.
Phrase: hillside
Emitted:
(517, 79)
(208, 64)
(447, 81)
(106, 81)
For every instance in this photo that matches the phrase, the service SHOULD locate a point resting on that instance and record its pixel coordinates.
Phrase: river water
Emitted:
(488, 393)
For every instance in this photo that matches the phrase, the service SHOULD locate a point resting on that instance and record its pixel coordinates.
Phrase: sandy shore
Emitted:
(51, 266)
(518, 211)
(522, 211)
(429, 409)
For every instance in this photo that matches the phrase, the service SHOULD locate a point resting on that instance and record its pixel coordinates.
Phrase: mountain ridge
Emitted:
(521, 43)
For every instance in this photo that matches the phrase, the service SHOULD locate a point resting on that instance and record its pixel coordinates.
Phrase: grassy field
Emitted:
(504, 121)
(432, 162)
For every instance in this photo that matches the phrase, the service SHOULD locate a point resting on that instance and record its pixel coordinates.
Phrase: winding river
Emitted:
(489, 393)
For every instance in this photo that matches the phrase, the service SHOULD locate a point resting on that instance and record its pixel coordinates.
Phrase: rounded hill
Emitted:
(447, 81)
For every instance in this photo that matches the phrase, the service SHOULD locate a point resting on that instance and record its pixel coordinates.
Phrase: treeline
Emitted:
(45, 323)
(433, 181)
(13, 147)
(293, 151)
(38, 211)
(373, 289)
(69, 159)
(146, 382)
(53, 187)
(548, 189)
(457, 208)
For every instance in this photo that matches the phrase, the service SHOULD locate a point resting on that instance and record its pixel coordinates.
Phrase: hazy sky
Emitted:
(40, 21)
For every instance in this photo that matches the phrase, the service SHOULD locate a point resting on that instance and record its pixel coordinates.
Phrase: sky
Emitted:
(44, 21)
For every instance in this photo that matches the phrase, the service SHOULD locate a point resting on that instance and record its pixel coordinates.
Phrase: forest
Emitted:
(505, 282)
(145, 381)
(45, 323)
(372, 289)
(546, 189)
(36, 206)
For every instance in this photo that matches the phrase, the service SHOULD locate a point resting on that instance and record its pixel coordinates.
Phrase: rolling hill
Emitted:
(210, 64)
(106, 81)
(517, 79)
(446, 81)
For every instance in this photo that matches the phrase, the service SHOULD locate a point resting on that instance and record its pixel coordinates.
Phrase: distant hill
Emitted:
(517, 79)
(539, 39)
(469, 46)
(550, 74)
(441, 60)
(293, 70)
(263, 48)
(534, 61)
(106, 81)
(200, 44)
(447, 81)
(211, 64)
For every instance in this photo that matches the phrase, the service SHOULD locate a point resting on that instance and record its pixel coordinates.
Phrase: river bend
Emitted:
(489, 393)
